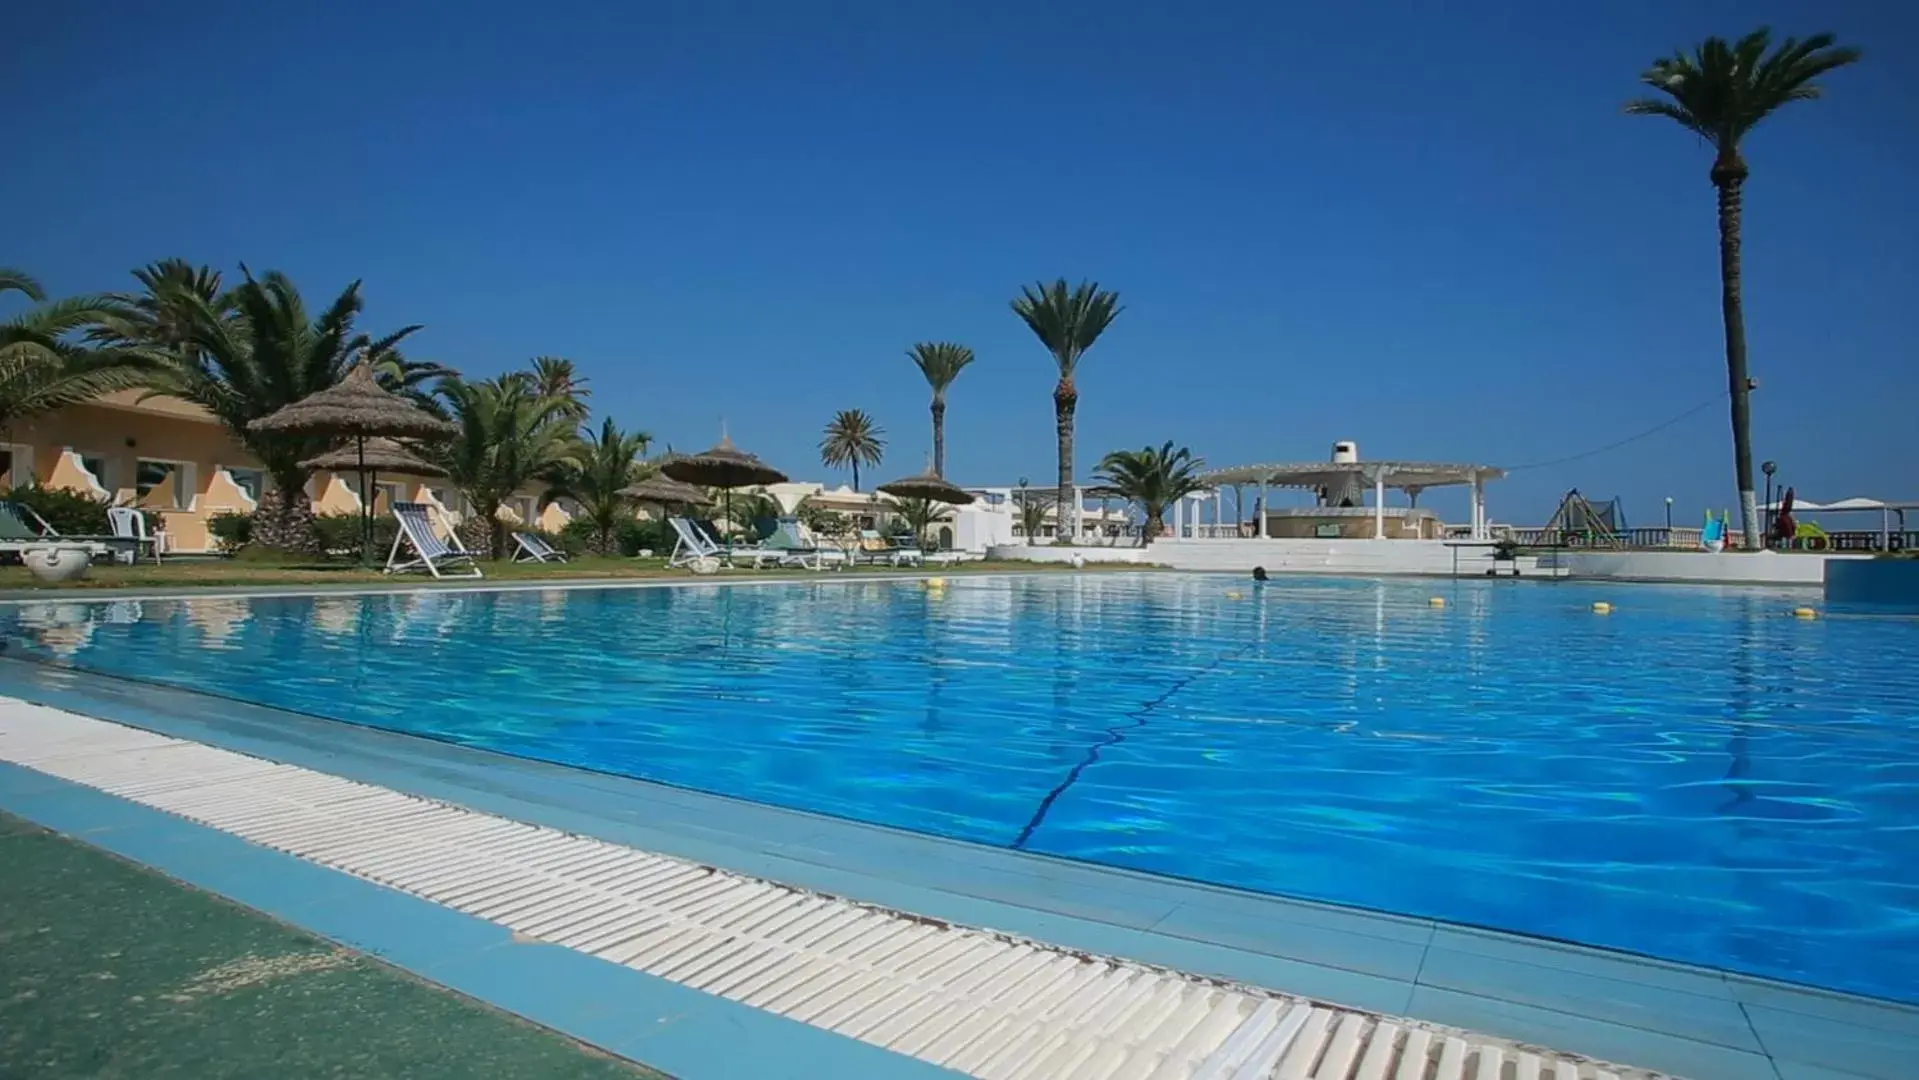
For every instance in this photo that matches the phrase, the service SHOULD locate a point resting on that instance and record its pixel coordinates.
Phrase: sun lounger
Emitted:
(874, 549)
(16, 535)
(441, 558)
(791, 546)
(532, 547)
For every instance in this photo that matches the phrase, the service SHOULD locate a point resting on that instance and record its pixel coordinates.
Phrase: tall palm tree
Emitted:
(852, 439)
(162, 314)
(599, 467)
(265, 354)
(508, 436)
(941, 362)
(1720, 93)
(554, 377)
(1067, 323)
(42, 365)
(1154, 478)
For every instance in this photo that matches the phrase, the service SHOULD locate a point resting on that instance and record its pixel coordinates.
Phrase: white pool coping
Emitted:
(979, 1002)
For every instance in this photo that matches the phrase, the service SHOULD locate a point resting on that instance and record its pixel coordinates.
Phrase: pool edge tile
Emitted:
(694, 1034)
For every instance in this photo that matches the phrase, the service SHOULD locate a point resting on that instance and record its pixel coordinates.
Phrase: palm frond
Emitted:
(940, 362)
(1722, 90)
(12, 280)
(1067, 322)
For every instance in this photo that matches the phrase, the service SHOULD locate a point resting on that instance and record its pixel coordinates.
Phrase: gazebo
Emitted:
(1340, 487)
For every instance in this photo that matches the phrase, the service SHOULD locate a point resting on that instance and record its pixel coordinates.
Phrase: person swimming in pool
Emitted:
(1259, 574)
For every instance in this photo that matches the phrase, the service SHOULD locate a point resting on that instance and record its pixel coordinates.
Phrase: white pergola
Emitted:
(1411, 477)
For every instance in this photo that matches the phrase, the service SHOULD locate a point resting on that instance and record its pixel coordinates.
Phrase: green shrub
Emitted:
(231, 529)
(634, 535)
(339, 534)
(69, 512)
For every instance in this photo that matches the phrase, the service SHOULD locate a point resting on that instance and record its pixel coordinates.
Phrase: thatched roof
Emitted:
(356, 405)
(928, 485)
(380, 455)
(724, 466)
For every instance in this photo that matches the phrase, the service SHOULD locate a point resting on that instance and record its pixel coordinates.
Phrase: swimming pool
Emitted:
(1696, 776)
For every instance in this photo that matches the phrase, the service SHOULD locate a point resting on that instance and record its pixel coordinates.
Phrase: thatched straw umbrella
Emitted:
(930, 486)
(376, 456)
(356, 407)
(666, 491)
(725, 467)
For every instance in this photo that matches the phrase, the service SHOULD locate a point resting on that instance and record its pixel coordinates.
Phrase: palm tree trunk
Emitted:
(939, 437)
(856, 474)
(1729, 176)
(1065, 401)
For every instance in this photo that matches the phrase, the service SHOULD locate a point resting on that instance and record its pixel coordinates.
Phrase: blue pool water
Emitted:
(1697, 776)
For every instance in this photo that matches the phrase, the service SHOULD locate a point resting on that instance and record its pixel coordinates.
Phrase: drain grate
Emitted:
(978, 1002)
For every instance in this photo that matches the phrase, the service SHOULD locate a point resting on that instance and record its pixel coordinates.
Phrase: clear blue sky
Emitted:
(1429, 231)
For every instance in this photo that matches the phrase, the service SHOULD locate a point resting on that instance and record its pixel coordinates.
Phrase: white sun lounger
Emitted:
(441, 558)
(532, 547)
(692, 548)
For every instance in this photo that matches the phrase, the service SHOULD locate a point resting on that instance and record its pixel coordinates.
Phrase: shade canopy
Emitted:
(356, 405)
(380, 455)
(1799, 505)
(1332, 474)
(666, 491)
(724, 466)
(930, 486)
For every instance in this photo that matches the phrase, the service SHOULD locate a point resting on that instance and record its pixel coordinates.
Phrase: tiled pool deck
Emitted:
(1681, 1020)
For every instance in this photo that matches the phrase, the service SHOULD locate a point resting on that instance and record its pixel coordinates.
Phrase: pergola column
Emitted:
(1219, 511)
(1379, 505)
(1179, 519)
(1259, 518)
(1479, 508)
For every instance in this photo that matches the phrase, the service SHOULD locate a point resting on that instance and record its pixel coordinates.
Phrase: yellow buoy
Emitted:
(1437, 601)
(1602, 608)
(936, 583)
(1232, 596)
(1804, 613)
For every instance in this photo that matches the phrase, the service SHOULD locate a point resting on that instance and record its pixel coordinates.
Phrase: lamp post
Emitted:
(1669, 521)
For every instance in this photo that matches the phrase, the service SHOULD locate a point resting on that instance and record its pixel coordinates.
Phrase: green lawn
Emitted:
(268, 572)
(108, 969)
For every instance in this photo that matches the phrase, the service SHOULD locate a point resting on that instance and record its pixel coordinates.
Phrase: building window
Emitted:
(161, 483)
(251, 481)
(448, 498)
(97, 465)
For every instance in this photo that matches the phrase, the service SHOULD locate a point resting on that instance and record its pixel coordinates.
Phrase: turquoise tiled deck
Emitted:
(1684, 1020)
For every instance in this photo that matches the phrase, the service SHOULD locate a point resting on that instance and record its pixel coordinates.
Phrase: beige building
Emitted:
(173, 458)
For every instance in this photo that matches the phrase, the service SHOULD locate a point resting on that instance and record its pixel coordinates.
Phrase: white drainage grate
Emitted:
(977, 1002)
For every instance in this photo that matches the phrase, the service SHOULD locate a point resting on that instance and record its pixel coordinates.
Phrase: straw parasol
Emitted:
(378, 455)
(725, 467)
(356, 407)
(928, 485)
(666, 491)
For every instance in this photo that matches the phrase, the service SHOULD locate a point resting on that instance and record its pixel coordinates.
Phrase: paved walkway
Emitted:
(112, 970)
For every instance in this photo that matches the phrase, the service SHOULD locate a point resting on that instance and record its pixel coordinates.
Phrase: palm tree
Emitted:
(1032, 512)
(1720, 93)
(554, 377)
(1152, 478)
(852, 439)
(595, 473)
(1067, 323)
(262, 355)
(507, 437)
(161, 316)
(920, 514)
(42, 368)
(941, 362)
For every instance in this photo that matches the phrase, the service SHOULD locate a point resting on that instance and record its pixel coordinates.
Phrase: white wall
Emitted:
(1725, 568)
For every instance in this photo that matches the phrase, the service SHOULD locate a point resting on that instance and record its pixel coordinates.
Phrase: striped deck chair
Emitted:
(532, 547)
(441, 558)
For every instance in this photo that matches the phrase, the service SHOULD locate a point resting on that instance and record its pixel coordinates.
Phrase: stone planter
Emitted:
(54, 565)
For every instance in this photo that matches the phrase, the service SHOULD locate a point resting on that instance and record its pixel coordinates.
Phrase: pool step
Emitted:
(978, 1002)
